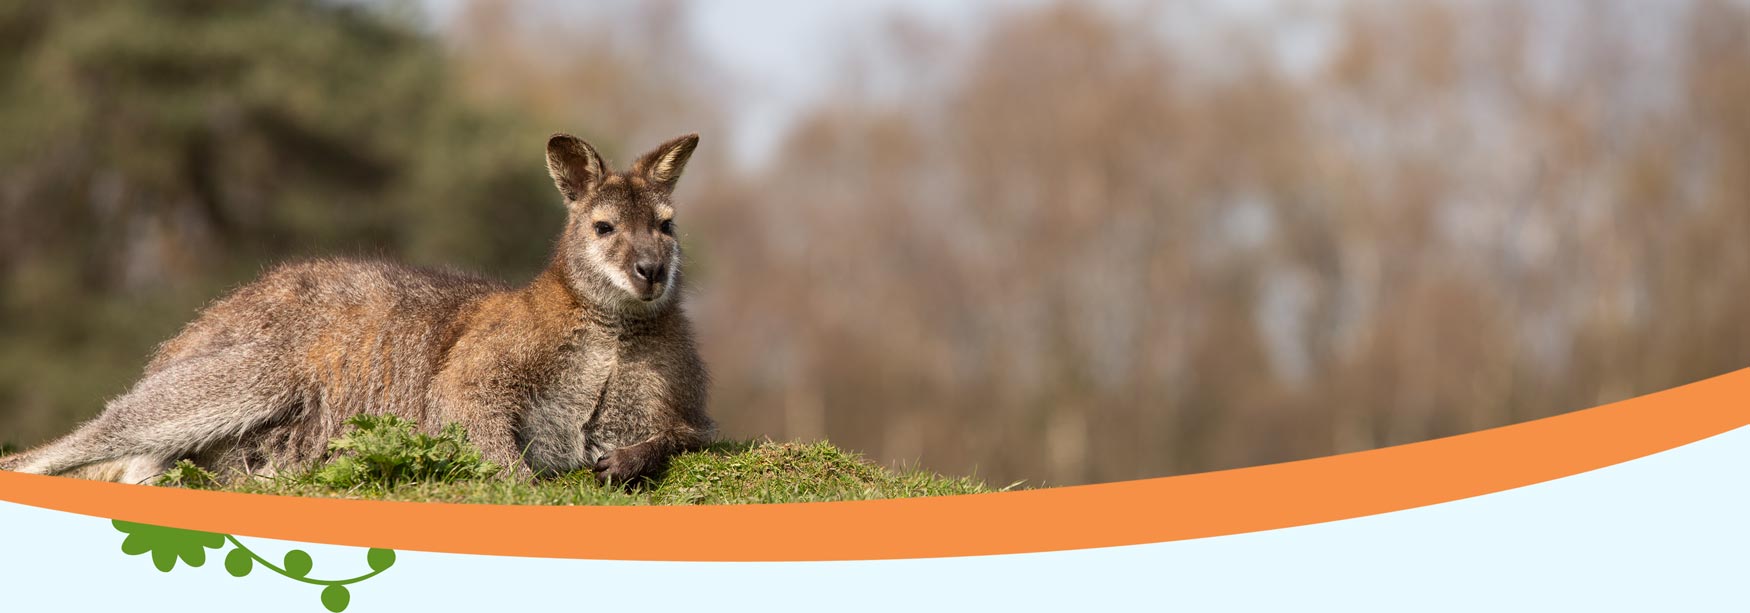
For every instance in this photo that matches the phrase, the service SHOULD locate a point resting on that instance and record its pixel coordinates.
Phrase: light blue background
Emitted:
(1669, 532)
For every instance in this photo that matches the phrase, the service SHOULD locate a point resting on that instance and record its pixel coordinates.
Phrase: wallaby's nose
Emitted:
(650, 271)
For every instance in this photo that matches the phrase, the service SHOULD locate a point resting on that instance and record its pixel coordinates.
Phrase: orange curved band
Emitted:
(1127, 513)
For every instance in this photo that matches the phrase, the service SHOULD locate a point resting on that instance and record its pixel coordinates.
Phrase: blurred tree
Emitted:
(1079, 256)
(156, 152)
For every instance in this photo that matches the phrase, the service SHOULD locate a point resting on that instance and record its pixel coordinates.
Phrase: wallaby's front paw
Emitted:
(624, 465)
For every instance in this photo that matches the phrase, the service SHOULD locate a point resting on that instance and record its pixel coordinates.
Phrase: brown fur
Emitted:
(590, 365)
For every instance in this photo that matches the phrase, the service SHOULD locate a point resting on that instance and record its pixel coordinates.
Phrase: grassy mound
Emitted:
(383, 458)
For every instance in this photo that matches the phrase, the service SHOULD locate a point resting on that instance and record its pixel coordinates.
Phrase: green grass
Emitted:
(382, 459)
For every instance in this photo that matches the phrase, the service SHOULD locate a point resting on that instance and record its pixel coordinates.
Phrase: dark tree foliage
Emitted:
(158, 152)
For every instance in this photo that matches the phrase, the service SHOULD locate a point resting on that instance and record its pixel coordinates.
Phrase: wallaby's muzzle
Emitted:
(650, 278)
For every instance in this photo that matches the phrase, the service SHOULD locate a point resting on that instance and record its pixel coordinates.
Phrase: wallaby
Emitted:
(590, 365)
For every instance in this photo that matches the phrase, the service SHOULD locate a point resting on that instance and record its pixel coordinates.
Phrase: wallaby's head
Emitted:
(619, 247)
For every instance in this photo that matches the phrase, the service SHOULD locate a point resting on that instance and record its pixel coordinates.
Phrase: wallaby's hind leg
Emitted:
(175, 411)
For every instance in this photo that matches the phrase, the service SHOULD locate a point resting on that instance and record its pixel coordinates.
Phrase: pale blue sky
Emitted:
(781, 55)
(783, 51)
(784, 54)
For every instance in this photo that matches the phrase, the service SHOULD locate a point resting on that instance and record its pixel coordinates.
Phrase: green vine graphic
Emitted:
(168, 545)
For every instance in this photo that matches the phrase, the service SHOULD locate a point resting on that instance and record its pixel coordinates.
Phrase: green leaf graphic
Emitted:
(380, 559)
(239, 562)
(298, 563)
(168, 544)
(335, 597)
(135, 545)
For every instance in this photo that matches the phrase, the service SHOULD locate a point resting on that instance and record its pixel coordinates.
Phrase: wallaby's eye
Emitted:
(603, 228)
(667, 227)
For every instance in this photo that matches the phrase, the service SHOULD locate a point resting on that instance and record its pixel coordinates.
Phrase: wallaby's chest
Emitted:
(597, 400)
(556, 424)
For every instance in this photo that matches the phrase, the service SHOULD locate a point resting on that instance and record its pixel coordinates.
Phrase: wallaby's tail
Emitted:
(12, 462)
(108, 470)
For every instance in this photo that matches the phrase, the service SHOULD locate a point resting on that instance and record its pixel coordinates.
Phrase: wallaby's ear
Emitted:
(574, 165)
(663, 165)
